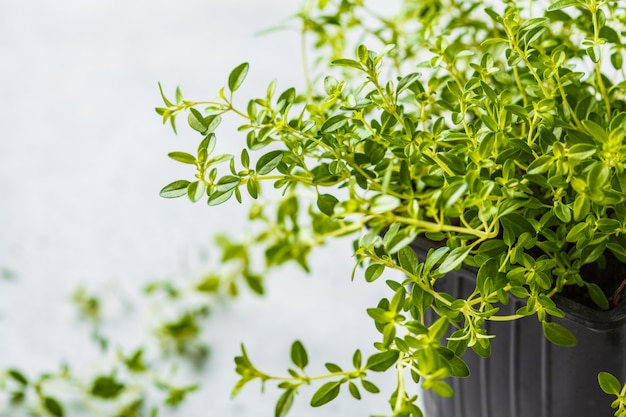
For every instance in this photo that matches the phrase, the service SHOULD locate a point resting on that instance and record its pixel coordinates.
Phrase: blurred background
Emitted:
(83, 156)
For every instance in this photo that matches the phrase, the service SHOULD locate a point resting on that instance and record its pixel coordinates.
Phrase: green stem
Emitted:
(515, 46)
(305, 62)
(564, 98)
(401, 389)
(351, 228)
(596, 40)
(438, 227)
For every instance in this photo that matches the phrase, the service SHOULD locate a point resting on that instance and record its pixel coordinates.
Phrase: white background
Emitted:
(82, 158)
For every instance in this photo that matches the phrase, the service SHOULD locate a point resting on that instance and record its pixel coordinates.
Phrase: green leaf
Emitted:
(454, 259)
(434, 256)
(438, 328)
(562, 4)
(334, 123)
(220, 197)
(407, 81)
(354, 390)
(489, 122)
(326, 393)
(356, 359)
(18, 376)
(227, 183)
(253, 188)
(598, 176)
(53, 406)
(196, 121)
(284, 403)
(179, 95)
(558, 334)
(348, 63)
(212, 122)
(563, 212)
(330, 85)
(517, 224)
(268, 162)
(183, 157)
(540, 165)
(237, 76)
(442, 388)
(208, 144)
(218, 159)
(581, 151)
(332, 367)
(373, 272)
(492, 41)
(596, 131)
(298, 355)
(581, 207)
(196, 190)
(517, 110)
(609, 384)
(106, 387)
(175, 189)
(594, 53)
(245, 158)
(255, 282)
(326, 203)
(369, 386)
(577, 232)
(408, 259)
(598, 296)
(380, 362)
(399, 240)
(165, 100)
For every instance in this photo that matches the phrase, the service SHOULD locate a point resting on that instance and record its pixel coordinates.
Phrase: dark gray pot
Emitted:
(527, 376)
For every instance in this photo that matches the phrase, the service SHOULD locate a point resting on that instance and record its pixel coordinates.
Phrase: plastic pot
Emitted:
(527, 376)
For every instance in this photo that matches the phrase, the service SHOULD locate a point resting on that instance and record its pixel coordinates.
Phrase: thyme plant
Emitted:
(496, 132)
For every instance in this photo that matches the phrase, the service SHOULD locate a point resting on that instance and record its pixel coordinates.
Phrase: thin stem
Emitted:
(600, 81)
(401, 389)
(351, 228)
(514, 45)
(564, 98)
(438, 227)
(305, 61)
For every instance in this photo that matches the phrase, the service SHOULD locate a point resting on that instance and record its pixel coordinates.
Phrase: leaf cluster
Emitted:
(611, 385)
(138, 383)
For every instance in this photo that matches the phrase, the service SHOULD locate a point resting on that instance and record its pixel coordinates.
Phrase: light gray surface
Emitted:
(82, 157)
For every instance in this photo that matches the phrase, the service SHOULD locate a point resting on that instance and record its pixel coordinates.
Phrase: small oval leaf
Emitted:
(380, 362)
(175, 189)
(598, 296)
(326, 393)
(299, 356)
(609, 383)
(370, 386)
(53, 407)
(237, 76)
(558, 334)
(454, 259)
(183, 157)
(284, 403)
(220, 197)
(326, 203)
(334, 123)
(268, 162)
(373, 272)
(196, 190)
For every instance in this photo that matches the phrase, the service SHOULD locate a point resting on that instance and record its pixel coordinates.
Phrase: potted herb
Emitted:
(478, 149)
